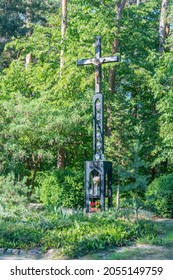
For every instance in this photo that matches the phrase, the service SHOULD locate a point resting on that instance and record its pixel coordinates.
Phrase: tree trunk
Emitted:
(153, 173)
(61, 158)
(120, 4)
(162, 25)
(28, 17)
(63, 29)
(32, 164)
(118, 197)
(28, 27)
(61, 152)
(33, 178)
(162, 36)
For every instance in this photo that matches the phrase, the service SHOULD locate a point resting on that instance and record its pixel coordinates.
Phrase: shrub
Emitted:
(159, 196)
(19, 235)
(13, 197)
(62, 188)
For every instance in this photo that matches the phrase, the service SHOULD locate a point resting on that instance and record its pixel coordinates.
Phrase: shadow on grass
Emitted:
(158, 247)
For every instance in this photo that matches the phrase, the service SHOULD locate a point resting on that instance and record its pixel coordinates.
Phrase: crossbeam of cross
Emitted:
(97, 62)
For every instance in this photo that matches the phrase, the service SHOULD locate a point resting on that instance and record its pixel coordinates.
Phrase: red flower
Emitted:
(94, 204)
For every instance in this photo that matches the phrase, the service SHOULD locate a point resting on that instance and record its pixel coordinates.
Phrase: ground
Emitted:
(138, 251)
(135, 252)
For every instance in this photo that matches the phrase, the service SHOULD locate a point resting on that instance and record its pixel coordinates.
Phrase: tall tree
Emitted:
(28, 28)
(63, 28)
(14, 20)
(133, 113)
(119, 7)
(162, 83)
(162, 25)
(61, 152)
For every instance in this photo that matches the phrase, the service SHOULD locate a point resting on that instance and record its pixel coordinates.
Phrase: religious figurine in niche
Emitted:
(96, 185)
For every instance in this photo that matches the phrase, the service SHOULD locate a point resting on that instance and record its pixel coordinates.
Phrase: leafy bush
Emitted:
(159, 196)
(62, 188)
(13, 197)
(19, 235)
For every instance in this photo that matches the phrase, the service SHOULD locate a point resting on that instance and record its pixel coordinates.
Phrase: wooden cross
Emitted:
(97, 62)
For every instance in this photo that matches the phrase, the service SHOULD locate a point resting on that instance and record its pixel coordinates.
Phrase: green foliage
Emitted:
(163, 85)
(149, 233)
(160, 234)
(74, 235)
(43, 107)
(133, 107)
(13, 197)
(159, 196)
(62, 188)
(132, 180)
(19, 235)
(13, 22)
(90, 236)
(66, 100)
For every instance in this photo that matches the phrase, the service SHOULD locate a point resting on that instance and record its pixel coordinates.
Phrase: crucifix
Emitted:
(98, 173)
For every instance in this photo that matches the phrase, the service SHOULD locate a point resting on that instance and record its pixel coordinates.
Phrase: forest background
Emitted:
(46, 121)
(46, 101)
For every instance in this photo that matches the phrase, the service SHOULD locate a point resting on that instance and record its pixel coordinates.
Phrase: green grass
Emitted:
(166, 233)
(161, 234)
(154, 242)
(168, 240)
(126, 254)
(151, 233)
(130, 253)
